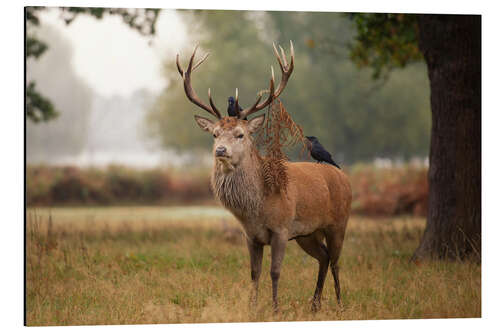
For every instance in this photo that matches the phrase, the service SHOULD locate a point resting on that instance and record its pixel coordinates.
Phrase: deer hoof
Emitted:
(316, 306)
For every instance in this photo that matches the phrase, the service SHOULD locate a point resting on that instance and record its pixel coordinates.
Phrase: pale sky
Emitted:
(114, 59)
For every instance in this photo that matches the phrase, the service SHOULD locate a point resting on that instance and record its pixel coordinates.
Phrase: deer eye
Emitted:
(215, 135)
(240, 136)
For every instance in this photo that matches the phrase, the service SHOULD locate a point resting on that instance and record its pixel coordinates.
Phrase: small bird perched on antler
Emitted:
(231, 108)
(318, 152)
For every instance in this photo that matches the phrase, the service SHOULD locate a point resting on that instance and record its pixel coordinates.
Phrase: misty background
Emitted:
(121, 99)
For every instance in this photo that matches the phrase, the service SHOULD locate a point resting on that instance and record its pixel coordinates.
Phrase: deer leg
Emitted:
(278, 245)
(316, 249)
(256, 251)
(334, 240)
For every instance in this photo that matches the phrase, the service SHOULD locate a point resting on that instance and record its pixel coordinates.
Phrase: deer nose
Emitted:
(220, 151)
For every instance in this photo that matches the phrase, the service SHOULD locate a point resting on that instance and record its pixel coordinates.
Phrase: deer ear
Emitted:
(204, 123)
(255, 123)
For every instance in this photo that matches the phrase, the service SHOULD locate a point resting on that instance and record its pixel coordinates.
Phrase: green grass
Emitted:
(133, 265)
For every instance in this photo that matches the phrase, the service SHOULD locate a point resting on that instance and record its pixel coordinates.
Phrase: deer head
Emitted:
(232, 135)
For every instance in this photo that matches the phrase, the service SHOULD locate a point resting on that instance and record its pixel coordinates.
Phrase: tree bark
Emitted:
(451, 45)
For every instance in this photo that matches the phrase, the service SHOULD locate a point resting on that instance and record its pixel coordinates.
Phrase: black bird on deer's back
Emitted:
(318, 152)
(231, 108)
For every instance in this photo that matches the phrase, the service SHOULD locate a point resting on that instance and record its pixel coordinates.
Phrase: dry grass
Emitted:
(135, 265)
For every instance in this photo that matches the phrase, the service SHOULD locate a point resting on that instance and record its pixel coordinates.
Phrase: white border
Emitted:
(12, 69)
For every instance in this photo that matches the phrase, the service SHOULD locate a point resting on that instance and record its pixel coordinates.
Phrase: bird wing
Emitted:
(324, 153)
(231, 111)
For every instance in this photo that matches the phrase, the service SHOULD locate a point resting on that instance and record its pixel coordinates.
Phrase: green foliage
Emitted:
(143, 20)
(354, 117)
(384, 41)
(39, 107)
(34, 47)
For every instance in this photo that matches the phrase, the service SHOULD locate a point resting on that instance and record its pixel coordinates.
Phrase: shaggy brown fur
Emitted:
(228, 122)
(228, 187)
(278, 132)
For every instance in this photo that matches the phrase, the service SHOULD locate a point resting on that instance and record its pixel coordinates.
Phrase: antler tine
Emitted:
(277, 56)
(190, 65)
(286, 71)
(236, 105)
(190, 93)
(254, 104)
(271, 92)
(181, 71)
(179, 68)
(284, 56)
(200, 62)
(256, 107)
(212, 104)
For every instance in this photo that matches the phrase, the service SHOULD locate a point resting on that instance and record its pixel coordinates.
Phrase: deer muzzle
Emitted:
(221, 151)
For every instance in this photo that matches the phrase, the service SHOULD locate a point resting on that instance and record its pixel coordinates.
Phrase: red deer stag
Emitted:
(314, 206)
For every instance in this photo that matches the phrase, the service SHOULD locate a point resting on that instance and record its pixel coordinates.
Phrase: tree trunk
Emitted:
(451, 45)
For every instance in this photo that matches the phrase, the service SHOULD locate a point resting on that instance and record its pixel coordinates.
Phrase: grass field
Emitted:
(134, 265)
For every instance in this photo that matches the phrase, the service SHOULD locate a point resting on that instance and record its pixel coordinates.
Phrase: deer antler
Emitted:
(190, 93)
(286, 71)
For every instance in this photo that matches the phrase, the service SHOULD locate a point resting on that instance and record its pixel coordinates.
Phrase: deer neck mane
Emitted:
(241, 190)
